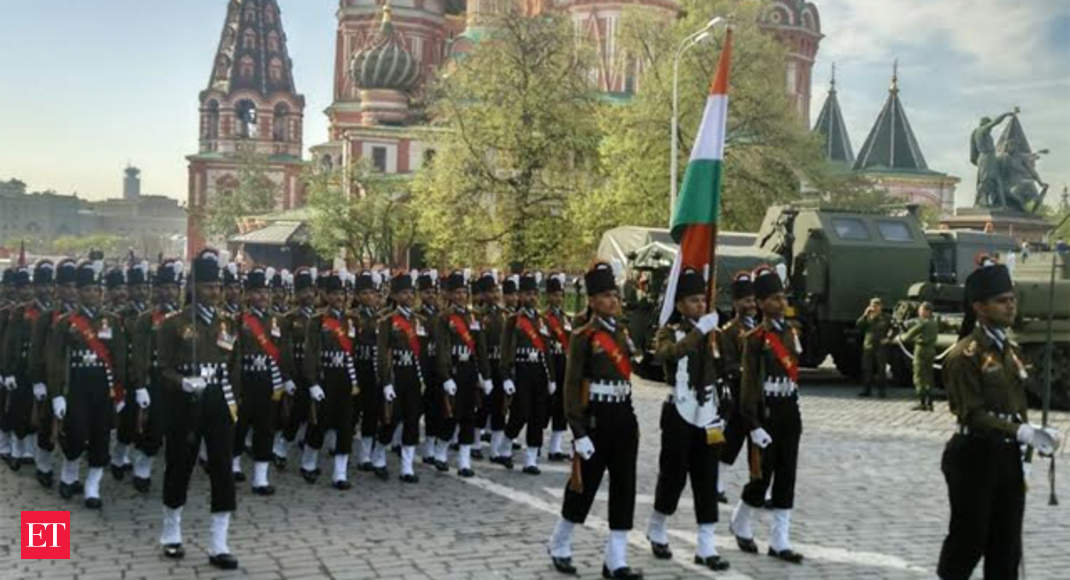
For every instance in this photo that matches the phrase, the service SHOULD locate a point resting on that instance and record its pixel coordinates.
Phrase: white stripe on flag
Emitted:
(709, 143)
(668, 299)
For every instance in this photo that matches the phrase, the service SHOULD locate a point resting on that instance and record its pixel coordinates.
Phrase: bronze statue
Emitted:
(1006, 172)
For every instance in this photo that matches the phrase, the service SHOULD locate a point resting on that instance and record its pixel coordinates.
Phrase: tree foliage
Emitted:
(82, 245)
(251, 192)
(519, 143)
(371, 221)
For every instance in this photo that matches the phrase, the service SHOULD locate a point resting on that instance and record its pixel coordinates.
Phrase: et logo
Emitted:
(46, 535)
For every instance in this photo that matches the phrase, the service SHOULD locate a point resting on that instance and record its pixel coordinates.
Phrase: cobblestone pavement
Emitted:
(870, 503)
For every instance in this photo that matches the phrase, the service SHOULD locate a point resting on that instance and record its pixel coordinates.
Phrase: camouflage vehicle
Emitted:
(1032, 284)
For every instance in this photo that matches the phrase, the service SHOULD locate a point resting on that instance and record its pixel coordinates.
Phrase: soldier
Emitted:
(560, 329)
(462, 365)
(982, 463)
(730, 345)
(598, 404)
(330, 369)
(509, 290)
(294, 410)
(232, 296)
(400, 377)
(769, 405)
(426, 286)
(117, 301)
(66, 293)
(145, 370)
(370, 396)
(493, 411)
(87, 365)
(281, 282)
(19, 401)
(7, 381)
(923, 334)
(198, 361)
(528, 372)
(266, 361)
(692, 432)
(874, 325)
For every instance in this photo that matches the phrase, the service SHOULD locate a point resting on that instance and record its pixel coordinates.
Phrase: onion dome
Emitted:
(385, 63)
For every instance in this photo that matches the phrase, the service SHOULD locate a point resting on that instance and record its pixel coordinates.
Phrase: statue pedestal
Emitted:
(1018, 225)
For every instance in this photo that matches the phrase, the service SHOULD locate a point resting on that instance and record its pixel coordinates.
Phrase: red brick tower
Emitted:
(798, 27)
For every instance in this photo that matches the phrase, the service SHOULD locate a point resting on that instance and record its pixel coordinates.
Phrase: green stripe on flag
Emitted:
(699, 201)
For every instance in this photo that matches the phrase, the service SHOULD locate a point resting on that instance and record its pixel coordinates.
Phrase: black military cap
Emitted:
(766, 282)
(66, 272)
(114, 278)
(529, 282)
(20, 277)
(401, 282)
(257, 279)
(486, 282)
(138, 274)
(691, 283)
(88, 274)
(426, 280)
(742, 285)
(365, 281)
(989, 280)
(455, 281)
(510, 285)
(303, 278)
(330, 281)
(8, 277)
(276, 280)
(43, 273)
(206, 266)
(599, 279)
(169, 272)
(555, 283)
(231, 275)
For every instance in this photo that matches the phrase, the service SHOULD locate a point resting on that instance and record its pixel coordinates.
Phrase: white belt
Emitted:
(780, 388)
(462, 353)
(526, 354)
(617, 392)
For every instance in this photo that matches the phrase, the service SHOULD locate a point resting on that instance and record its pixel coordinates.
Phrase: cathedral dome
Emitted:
(385, 63)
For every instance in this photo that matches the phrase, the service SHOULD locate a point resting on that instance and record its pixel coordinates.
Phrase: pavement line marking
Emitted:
(635, 538)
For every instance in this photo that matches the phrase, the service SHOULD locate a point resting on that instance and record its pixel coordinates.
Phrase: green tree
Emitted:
(82, 245)
(769, 153)
(519, 141)
(372, 221)
(252, 192)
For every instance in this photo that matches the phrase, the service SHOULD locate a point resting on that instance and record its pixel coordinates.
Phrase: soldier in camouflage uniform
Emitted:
(982, 463)
(874, 325)
(923, 334)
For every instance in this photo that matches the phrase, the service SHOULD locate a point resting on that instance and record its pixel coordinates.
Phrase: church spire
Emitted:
(891, 145)
(835, 142)
(252, 51)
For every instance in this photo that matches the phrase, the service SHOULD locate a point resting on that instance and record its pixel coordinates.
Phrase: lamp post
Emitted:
(691, 40)
(1048, 354)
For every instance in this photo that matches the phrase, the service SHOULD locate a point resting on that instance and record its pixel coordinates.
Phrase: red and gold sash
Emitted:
(461, 327)
(613, 351)
(31, 314)
(405, 327)
(525, 326)
(158, 316)
(257, 330)
(558, 330)
(781, 353)
(85, 329)
(335, 327)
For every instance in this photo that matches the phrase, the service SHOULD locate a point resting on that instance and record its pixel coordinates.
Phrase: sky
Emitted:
(87, 87)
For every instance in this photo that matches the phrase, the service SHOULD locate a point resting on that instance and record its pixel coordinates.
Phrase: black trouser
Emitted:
(529, 403)
(45, 423)
(90, 413)
(334, 412)
(150, 439)
(190, 420)
(405, 409)
(298, 412)
(371, 398)
(257, 410)
(557, 400)
(987, 493)
(781, 457)
(19, 405)
(126, 420)
(463, 413)
(615, 434)
(433, 402)
(735, 432)
(495, 403)
(684, 452)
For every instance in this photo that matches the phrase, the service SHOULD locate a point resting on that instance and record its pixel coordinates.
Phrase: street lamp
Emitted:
(691, 40)
(1048, 352)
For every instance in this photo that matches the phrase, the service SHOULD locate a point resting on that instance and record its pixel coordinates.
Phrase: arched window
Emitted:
(279, 123)
(275, 70)
(222, 67)
(248, 39)
(273, 41)
(246, 67)
(245, 111)
(269, 14)
(211, 120)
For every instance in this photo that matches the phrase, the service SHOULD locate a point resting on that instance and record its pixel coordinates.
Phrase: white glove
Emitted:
(10, 383)
(389, 394)
(142, 397)
(584, 447)
(450, 387)
(760, 438)
(552, 387)
(488, 386)
(290, 387)
(316, 392)
(509, 387)
(39, 391)
(193, 384)
(707, 323)
(1045, 440)
(59, 407)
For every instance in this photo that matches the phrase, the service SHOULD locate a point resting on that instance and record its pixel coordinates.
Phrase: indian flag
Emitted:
(694, 219)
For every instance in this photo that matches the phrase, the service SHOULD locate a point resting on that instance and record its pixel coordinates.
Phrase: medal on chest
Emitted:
(275, 330)
(104, 333)
(225, 340)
